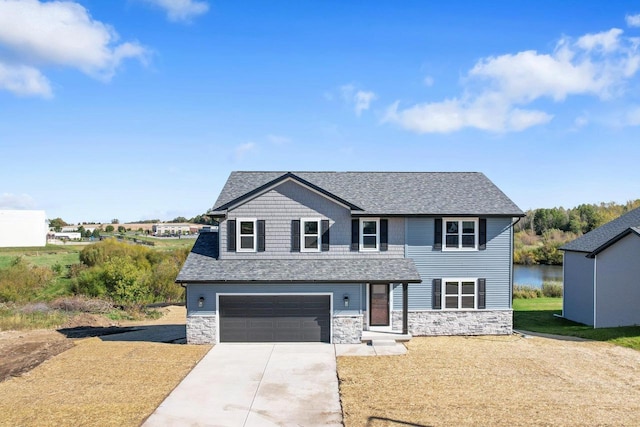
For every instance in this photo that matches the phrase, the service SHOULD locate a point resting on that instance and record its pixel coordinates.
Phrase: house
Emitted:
(172, 229)
(326, 256)
(602, 274)
(23, 228)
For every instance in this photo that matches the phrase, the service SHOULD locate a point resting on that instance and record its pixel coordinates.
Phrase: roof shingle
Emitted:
(600, 236)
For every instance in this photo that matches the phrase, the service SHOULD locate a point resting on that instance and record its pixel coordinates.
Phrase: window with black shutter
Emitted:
(231, 235)
(384, 235)
(325, 235)
(295, 235)
(355, 234)
(437, 294)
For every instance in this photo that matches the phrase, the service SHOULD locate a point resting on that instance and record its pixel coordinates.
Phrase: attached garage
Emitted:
(275, 318)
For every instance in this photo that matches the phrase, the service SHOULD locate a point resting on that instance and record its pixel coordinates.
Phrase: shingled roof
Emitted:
(385, 193)
(603, 236)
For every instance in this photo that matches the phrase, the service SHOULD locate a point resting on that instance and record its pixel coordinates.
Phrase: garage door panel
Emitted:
(274, 318)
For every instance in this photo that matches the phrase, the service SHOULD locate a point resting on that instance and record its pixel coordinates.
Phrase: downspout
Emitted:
(511, 238)
(595, 282)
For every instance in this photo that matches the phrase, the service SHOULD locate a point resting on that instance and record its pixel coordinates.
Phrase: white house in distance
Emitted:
(23, 228)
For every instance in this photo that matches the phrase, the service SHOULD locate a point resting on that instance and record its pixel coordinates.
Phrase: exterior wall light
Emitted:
(346, 300)
(200, 302)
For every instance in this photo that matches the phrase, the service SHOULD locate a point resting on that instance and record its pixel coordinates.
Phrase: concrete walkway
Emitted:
(256, 385)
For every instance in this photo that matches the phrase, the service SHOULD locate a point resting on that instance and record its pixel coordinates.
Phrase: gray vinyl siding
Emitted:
(291, 201)
(618, 284)
(578, 287)
(209, 291)
(493, 264)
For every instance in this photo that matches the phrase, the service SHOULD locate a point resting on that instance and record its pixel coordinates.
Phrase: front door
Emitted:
(379, 305)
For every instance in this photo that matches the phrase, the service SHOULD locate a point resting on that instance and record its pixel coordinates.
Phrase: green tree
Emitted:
(95, 233)
(121, 229)
(179, 219)
(57, 224)
(109, 229)
(126, 282)
(115, 221)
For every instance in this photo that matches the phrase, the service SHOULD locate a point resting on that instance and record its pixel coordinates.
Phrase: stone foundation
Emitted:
(442, 322)
(347, 329)
(201, 329)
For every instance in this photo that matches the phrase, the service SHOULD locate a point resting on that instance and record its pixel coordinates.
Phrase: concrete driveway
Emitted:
(256, 385)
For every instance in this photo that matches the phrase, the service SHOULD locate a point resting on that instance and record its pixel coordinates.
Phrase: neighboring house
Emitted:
(602, 274)
(23, 228)
(324, 256)
(172, 229)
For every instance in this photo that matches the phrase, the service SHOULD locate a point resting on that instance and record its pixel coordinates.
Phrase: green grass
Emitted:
(537, 315)
(14, 320)
(42, 257)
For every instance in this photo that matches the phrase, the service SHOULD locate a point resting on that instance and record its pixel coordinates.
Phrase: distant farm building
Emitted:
(174, 229)
(23, 228)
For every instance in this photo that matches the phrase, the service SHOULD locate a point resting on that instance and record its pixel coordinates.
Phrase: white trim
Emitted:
(361, 234)
(217, 308)
(302, 235)
(443, 293)
(271, 187)
(239, 222)
(476, 232)
(368, 317)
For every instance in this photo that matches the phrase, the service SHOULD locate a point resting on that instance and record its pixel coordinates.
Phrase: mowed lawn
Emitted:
(499, 381)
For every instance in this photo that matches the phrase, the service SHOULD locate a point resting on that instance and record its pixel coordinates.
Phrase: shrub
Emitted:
(21, 282)
(89, 282)
(526, 292)
(552, 289)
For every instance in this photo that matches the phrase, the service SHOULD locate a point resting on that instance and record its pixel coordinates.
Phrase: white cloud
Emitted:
(243, 150)
(278, 139)
(497, 90)
(580, 122)
(36, 34)
(16, 201)
(633, 20)
(360, 99)
(24, 80)
(181, 10)
(428, 81)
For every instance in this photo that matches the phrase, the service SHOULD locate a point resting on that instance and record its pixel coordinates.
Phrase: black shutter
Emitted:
(437, 294)
(384, 234)
(261, 233)
(482, 234)
(295, 235)
(355, 234)
(325, 235)
(231, 235)
(482, 293)
(437, 234)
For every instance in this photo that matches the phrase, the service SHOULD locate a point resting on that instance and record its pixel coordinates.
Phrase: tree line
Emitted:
(540, 234)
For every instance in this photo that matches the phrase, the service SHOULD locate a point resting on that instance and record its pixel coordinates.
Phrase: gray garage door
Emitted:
(274, 318)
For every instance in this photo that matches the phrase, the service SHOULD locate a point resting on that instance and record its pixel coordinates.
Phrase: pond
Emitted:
(536, 275)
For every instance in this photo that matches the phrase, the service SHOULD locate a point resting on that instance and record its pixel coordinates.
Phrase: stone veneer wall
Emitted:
(347, 329)
(443, 322)
(201, 329)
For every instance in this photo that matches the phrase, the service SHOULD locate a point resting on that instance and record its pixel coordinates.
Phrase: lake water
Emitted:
(535, 275)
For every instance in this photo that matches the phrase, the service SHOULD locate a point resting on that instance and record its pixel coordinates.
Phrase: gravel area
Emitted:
(497, 381)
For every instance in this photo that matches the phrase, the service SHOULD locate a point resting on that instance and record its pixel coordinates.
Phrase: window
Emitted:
(310, 235)
(460, 234)
(246, 235)
(459, 294)
(369, 234)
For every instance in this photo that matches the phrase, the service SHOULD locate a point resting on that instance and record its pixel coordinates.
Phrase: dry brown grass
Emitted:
(496, 381)
(99, 383)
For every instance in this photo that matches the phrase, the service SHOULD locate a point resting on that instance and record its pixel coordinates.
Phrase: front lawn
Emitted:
(537, 315)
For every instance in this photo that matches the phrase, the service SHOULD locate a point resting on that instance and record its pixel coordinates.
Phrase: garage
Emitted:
(275, 318)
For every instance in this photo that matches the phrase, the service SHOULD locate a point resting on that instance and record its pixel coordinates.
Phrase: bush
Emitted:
(21, 282)
(90, 283)
(526, 292)
(552, 289)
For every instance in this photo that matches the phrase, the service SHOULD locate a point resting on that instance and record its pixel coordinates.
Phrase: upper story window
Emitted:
(246, 235)
(460, 234)
(310, 234)
(369, 234)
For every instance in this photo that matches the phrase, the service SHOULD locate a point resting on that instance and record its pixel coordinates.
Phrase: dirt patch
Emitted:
(24, 350)
(498, 381)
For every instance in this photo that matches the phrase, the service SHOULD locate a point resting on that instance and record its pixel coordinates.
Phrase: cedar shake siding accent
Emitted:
(290, 202)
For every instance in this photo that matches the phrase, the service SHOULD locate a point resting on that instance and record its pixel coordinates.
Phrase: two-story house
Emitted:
(324, 256)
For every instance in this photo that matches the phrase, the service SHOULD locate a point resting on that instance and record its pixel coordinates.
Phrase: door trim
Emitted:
(368, 296)
(257, 294)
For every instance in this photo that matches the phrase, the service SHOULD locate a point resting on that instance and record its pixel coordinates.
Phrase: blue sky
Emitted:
(140, 109)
